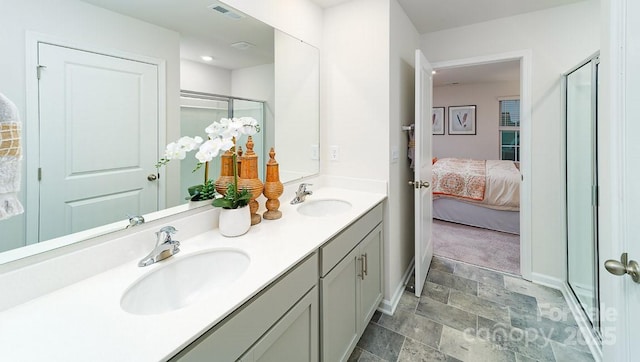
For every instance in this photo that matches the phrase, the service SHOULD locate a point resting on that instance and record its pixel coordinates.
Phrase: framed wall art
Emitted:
(437, 120)
(462, 120)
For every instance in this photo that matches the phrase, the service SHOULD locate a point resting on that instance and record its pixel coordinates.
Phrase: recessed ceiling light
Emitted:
(433, 72)
(206, 58)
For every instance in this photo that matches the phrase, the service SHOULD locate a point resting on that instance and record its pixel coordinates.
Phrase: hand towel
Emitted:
(10, 159)
(411, 152)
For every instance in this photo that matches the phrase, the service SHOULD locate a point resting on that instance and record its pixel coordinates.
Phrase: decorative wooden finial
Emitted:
(273, 188)
(226, 172)
(249, 179)
(239, 159)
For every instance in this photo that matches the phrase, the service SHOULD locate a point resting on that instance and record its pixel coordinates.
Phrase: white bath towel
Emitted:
(10, 159)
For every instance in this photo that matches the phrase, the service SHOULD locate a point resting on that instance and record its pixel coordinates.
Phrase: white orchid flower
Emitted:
(174, 152)
(249, 125)
(208, 150)
(221, 138)
(178, 150)
(190, 144)
(215, 129)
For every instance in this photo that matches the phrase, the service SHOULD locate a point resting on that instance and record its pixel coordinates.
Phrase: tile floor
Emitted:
(467, 313)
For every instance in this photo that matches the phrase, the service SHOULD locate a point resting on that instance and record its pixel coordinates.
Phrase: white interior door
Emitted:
(620, 295)
(98, 139)
(422, 170)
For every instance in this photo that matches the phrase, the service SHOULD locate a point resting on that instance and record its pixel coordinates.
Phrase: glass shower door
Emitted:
(581, 186)
(195, 115)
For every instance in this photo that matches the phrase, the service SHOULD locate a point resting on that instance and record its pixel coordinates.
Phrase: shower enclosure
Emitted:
(581, 100)
(199, 110)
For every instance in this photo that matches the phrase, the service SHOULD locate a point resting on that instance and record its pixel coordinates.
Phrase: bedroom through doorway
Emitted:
(477, 164)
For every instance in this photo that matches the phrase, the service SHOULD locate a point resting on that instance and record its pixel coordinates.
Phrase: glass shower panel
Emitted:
(581, 184)
(195, 116)
(254, 109)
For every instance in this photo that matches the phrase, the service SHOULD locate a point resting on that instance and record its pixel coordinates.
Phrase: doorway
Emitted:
(524, 166)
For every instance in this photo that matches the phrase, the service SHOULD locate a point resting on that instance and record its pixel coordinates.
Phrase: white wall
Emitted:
(258, 83)
(399, 238)
(83, 24)
(355, 89)
(485, 144)
(297, 95)
(199, 77)
(559, 39)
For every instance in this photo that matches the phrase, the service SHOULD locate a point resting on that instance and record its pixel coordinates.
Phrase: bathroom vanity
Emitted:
(311, 283)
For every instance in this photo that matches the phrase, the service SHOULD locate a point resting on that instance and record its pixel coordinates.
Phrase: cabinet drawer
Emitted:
(332, 252)
(229, 339)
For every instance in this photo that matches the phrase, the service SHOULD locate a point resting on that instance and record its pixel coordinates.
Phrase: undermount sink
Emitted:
(184, 281)
(324, 207)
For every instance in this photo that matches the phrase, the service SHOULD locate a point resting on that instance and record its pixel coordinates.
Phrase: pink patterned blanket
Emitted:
(463, 178)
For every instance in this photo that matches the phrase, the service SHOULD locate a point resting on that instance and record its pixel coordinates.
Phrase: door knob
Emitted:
(624, 266)
(152, 177)
(419, 184)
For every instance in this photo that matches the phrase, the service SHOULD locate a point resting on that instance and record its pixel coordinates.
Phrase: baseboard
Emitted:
(389, 306)
(585, 327)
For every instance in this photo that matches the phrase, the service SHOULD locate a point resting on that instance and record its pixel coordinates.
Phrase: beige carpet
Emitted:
(487, 248)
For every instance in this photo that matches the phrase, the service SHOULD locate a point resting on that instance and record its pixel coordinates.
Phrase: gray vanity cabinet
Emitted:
(278, 324)
(350, 285)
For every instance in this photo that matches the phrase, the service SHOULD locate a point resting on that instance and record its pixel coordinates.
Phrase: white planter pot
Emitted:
(234, 222)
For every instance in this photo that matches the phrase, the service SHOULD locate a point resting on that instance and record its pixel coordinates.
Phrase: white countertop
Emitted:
(84, 321)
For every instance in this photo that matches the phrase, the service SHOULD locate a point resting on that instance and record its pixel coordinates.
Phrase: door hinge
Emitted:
(39, 174)
(39, 70)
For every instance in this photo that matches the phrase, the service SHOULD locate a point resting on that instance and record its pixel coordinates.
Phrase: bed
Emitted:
(482, 193)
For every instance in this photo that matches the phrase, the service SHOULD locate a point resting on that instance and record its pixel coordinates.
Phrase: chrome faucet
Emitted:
(301, 194)
(135, 221)
(165, 247)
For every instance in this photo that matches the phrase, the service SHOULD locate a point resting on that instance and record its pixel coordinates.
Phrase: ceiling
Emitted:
(203, 31)
(207, 32)
(491, 72)
(433, 15)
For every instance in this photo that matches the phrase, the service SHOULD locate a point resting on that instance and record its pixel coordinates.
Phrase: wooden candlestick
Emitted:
(273, 188)
(250, 181)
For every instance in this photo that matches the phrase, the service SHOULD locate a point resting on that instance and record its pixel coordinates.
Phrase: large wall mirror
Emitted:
(154, 52)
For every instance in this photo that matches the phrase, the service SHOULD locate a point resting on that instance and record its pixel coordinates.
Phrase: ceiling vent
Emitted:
(242, 45)
(226, 11)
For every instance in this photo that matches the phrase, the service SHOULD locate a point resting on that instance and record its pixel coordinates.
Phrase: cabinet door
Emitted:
(338, 293)
(370, 260)
(293, 338)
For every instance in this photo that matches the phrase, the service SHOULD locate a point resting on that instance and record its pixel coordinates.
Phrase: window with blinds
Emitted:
(509, 128)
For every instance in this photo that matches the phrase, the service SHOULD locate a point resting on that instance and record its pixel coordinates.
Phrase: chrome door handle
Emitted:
(152, 177)
(419, 184)
(624, 266)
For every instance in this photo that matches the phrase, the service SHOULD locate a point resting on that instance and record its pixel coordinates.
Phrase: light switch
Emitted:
(395, 154)
(334, 153)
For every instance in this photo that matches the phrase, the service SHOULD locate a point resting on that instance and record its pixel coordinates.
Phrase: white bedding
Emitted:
(502, 190)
